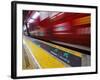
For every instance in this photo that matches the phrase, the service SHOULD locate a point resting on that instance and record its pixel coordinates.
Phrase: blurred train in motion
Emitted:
(59, 27)
(67, 29)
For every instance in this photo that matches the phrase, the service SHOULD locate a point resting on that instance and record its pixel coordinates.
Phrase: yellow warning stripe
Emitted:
(45, 59)
(76, 53)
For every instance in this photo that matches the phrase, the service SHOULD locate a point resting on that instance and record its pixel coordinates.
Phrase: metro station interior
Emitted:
(56, 39)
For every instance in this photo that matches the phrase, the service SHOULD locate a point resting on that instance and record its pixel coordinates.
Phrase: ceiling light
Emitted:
(30, 20)
(24, 27)
(35, 15)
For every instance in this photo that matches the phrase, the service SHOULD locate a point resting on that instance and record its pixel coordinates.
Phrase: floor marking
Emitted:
(32, 54)
(76, 53)
(46, 60)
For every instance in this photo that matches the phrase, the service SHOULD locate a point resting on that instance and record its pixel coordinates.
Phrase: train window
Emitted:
(41, 33)
(60, 28)
(85, 30)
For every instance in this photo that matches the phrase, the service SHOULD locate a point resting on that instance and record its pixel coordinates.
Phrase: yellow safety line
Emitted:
(76, 53)
(43, 57)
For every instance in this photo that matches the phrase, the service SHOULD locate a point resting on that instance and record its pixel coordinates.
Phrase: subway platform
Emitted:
(39, 54)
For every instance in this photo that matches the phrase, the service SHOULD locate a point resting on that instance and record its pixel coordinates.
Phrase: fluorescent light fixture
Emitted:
(24, 27)
(35, 15)
(30, 20)
(60, 13)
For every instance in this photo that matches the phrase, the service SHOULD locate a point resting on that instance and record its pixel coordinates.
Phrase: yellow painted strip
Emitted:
(81, 21)
(44, 58)
(76, 53)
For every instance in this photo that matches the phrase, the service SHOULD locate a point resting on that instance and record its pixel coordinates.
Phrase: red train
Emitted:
(65, 28)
